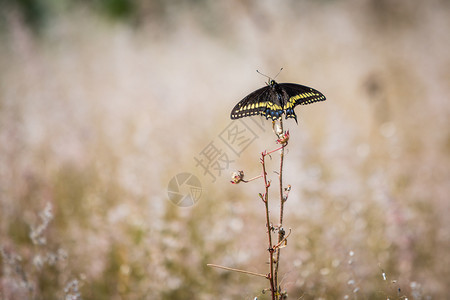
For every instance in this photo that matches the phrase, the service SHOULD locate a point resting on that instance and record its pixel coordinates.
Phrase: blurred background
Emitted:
(103, 102)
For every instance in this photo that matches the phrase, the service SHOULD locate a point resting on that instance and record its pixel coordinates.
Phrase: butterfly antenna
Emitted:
(281, 69)
(263, 74)
(268, 76)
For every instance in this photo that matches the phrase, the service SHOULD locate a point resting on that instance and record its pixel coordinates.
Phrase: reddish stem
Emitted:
(269, 229)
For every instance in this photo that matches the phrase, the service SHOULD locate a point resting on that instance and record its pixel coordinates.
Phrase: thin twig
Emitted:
(251, 179)
(275, 150)
(237, 270)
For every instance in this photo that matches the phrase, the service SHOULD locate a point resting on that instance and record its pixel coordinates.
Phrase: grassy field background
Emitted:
(102, 103)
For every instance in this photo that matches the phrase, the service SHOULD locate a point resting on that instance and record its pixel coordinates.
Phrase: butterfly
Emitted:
(275, 99)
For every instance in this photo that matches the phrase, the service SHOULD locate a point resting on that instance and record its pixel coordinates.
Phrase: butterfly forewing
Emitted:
(300, 94)
(252, 104)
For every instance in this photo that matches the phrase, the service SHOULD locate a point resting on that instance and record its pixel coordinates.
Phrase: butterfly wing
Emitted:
(253, 104)
(275, 99)
(299, 94)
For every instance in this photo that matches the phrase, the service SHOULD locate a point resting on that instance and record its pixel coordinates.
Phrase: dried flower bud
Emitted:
(284, 138)
(278, 129)
(237, 177)
(282, 231)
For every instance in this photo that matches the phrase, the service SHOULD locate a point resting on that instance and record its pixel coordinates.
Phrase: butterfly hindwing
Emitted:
(273, 103)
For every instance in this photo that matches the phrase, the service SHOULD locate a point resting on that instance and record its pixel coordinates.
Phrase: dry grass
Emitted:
(95, 118)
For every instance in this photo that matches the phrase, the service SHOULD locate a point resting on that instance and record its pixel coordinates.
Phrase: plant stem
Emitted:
(280, 234)
(269, 227)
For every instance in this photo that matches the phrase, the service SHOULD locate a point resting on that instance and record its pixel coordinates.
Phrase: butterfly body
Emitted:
(276, 99)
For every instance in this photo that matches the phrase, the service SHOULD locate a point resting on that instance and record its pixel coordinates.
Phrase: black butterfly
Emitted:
(275, 99)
